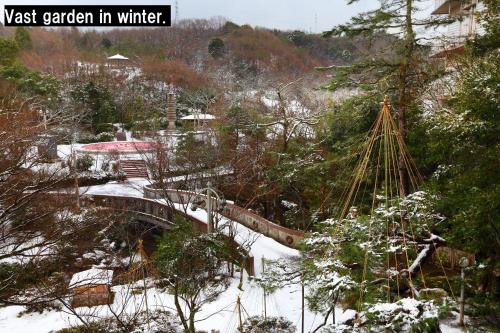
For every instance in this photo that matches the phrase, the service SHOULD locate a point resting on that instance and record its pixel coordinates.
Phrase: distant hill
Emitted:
(242, 51)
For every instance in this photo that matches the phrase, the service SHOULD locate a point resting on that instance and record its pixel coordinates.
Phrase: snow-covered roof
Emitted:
(93, 276)
(117, 57)
(201, 116)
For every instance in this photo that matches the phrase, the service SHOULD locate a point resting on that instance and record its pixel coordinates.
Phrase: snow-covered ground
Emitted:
(220, 315)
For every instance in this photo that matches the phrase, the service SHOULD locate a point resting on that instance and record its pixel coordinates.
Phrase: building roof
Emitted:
(93, 276)
(446, 7)
(201, 116)
(117, 57)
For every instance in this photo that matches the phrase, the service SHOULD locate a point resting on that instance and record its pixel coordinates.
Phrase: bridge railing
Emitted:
(285, 236)
(157, 213)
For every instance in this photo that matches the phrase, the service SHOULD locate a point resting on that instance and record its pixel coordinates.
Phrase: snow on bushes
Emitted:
(405, 315)
(259, 324)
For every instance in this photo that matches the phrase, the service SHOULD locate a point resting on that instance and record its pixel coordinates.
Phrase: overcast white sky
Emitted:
(281, 14)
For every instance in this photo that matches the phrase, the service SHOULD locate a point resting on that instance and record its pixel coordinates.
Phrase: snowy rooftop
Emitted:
(201, 116)
(93, 276)
(117, 57)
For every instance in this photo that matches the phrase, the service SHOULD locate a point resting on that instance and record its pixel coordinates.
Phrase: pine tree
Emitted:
(9, 50)
(23, 38)
(399, 72)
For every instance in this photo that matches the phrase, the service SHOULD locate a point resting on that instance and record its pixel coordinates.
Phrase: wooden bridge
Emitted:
(283, 235)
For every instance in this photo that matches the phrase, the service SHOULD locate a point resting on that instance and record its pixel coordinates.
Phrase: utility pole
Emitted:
(176, 19)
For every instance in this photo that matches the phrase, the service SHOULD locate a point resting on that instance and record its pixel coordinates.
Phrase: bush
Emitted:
(101, 137)
(216, 47)
(155, 322)
(259, 324)
(83, 163)
(86, 138)
(105, 136)
(104, 127)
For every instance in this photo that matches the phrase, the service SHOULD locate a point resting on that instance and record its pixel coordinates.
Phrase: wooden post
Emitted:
(463, 262)
(238, 302)
(462, 296)
(210, 223)
(303, 304)
(264, 289)
(75, 175)
(140, 250)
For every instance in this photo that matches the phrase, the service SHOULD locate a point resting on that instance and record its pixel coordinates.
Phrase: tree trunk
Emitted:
(179, 311)
(191, 322)
(404, 98)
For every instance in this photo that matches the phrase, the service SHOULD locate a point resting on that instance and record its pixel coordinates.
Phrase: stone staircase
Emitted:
(134, 168)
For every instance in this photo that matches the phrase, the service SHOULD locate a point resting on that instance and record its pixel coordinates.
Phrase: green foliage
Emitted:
(23, 38)
(9, 50)
(490, 40)
(192, 265)
(229, 27)
(464, 143)
(31, 83)
(300, 175)
(258, 324)
(83, 163)
(96, 101)
(191, 260)
(405, 315)
(106, 43)
(298, 38)
(216, 47)
(344, 131)
(104, 127)
(400, 70)
(356, 250)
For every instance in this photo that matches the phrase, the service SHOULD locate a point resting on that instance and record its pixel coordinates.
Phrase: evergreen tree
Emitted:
(23, 38)
(463, 140)
(106, 43)
(192, 264)
(9, 50)
(216, 47)
(401, 71)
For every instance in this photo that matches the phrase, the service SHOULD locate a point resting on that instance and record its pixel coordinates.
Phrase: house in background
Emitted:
(465, 27)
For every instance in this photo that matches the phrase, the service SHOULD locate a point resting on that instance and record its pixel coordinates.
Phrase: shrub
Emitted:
(105, 136)
(83, 163)
(216, 47)
(104, 127)
(259, 324)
